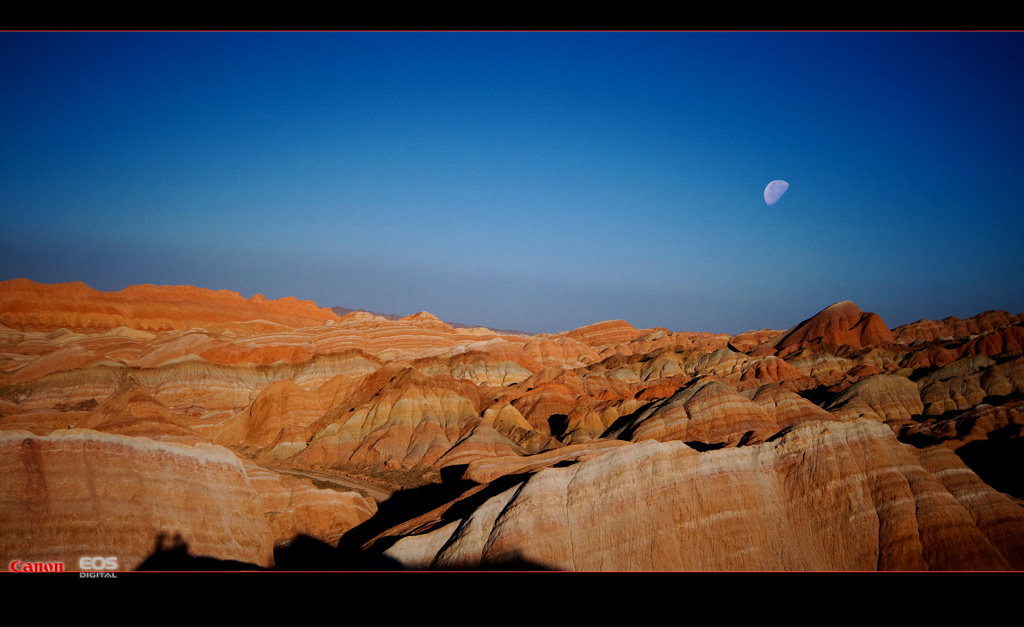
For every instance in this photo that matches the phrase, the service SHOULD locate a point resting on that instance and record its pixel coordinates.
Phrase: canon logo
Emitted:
(97, 563)
(36, 567)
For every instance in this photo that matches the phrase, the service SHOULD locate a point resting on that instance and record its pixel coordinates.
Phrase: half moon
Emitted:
(774, 192)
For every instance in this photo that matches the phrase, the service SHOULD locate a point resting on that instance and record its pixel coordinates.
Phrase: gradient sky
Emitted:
(537, 181)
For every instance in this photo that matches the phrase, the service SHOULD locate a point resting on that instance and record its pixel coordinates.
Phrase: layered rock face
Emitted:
(842, 324)
(26, 305)
(77, 492)
(835, 445)
(826, 496)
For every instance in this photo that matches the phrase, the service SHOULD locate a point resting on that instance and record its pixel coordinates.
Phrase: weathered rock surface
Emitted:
(294, 507)
(79, 492)
(953, 327)
(27, 305)
(486, 470)
(889, 398)
(398, 417)
(605, 333)
(785, 408)
(996, 516)
(969, 426)
(826, 496)
(841, 324)
(794, 426)
(708, 412)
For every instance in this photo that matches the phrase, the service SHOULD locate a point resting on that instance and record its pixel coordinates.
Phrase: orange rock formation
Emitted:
(244, 423)
(841, 324)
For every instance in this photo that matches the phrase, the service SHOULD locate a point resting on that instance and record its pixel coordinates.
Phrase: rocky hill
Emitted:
(181, 427)
(344, 311)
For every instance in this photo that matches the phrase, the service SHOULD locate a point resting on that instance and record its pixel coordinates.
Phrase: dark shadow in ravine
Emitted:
(303, 553)
(404, 505)
(620, 428)
(407, 504)
(703, 447)
(999, 460)
(558, 424)
(820, 395)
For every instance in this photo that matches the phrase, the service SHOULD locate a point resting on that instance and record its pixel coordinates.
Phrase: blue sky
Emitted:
(539, 181)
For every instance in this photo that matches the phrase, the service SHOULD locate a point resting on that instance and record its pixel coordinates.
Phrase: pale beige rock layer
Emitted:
(827, 496)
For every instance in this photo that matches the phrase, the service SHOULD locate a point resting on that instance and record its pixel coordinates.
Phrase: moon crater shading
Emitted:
(774, 191)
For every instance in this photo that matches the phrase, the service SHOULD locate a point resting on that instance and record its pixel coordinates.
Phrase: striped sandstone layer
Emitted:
(826, 496)
(189, 369)
(84, 492)
(27, 305)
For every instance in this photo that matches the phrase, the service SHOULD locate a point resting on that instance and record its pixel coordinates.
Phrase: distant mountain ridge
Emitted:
(344, 311)
(27, 305)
